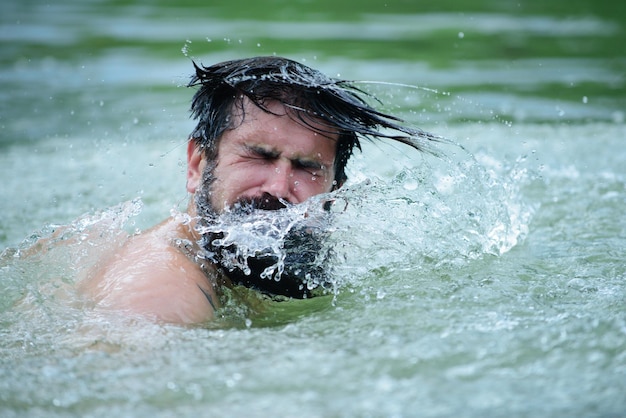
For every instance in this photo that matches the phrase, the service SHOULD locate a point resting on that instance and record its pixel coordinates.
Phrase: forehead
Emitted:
(280, 125)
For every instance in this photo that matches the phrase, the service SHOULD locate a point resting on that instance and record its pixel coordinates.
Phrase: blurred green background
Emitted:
(526, 60)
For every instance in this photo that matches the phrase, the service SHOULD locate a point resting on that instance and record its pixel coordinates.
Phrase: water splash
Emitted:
(260, 247)
(442, 212)
(51, 260)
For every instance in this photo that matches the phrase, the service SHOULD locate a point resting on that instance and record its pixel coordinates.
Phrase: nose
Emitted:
(280, 182)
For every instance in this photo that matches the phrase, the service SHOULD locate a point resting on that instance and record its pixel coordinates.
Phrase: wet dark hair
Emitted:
(315, 98)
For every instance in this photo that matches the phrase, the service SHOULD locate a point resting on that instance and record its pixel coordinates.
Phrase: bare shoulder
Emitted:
(151, 276)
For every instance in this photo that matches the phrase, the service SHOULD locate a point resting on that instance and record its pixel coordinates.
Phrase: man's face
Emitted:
(264, 160)
(268, 154)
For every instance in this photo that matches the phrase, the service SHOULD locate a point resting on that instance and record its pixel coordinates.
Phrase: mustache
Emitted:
(264, 202)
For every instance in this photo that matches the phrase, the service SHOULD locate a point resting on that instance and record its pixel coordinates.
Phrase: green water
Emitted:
(490, 285)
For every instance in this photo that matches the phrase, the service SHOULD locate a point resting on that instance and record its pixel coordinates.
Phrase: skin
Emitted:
(153, 276)
(267, 153)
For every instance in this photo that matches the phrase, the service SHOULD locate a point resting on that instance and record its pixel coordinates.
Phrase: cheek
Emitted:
(234, 182)
(307, 185)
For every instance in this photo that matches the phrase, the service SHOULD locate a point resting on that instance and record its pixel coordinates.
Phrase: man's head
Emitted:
(332, 109)
(269, 153)
(271, 132)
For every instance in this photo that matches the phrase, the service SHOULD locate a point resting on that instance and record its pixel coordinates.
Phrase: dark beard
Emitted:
(275, 256)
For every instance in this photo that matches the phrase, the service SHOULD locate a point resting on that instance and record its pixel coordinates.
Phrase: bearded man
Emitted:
(271, 134)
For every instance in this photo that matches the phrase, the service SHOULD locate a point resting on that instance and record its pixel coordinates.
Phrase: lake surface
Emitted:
(490, 282)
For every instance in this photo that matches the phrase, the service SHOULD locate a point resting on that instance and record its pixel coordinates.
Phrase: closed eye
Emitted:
(260, 152)
(312, 167)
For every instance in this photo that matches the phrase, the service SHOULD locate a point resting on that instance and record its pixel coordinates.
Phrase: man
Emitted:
(271, 134)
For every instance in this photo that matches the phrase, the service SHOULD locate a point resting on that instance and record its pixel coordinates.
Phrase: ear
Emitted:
(195, 166)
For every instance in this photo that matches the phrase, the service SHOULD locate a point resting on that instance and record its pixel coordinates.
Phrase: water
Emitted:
(487, 284)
